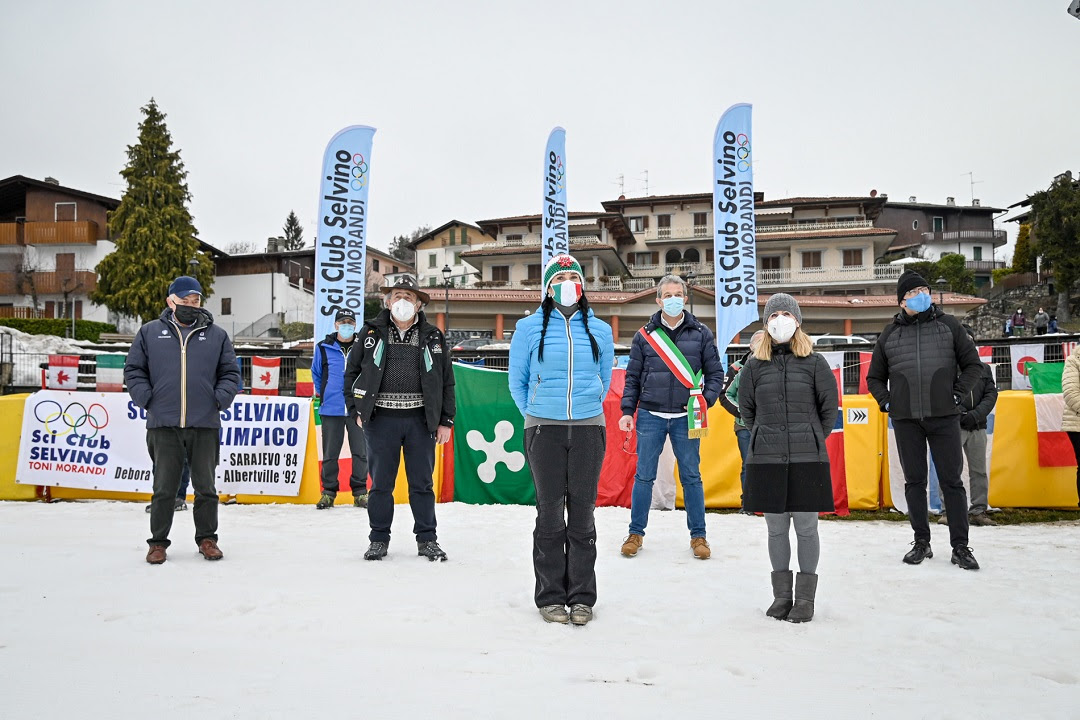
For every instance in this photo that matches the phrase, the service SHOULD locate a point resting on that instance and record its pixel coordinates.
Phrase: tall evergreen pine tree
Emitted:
(294, 232)
(153, 230)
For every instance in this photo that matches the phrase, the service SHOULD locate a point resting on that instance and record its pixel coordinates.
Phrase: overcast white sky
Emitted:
(904, 97)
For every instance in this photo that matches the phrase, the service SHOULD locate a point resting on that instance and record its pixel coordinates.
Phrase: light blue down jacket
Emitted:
(567, 384)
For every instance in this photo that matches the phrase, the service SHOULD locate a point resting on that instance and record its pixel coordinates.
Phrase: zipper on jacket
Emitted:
(918, 366)
(600, 380)
(535, 388)
(569, 370)
(183, 372)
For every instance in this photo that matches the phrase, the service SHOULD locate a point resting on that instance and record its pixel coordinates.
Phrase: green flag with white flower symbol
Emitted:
(489, 459)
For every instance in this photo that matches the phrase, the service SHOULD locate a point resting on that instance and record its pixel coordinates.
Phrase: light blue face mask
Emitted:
(919, 303)
(673, 306)
(346, 331)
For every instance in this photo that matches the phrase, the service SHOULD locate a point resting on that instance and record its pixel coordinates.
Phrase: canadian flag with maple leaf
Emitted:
(265, 372)
(63, 373)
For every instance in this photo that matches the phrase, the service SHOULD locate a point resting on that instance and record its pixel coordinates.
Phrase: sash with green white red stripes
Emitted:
(697, 417)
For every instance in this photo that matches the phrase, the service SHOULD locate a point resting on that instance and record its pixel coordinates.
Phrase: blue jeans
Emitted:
(652, 431)
(743, 437)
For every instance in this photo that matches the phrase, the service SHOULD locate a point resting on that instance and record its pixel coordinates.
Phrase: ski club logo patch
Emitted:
(495, 451)
(436, 348)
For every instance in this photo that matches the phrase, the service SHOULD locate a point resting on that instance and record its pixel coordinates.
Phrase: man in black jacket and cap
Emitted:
(923, 365)
(182, 371)
(399, 386)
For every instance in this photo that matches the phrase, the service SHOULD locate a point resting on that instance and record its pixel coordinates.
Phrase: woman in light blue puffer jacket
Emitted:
(560, 369)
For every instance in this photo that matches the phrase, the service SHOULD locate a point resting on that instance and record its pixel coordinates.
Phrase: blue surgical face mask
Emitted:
(919, 303)
(346, 331)
(673, 305)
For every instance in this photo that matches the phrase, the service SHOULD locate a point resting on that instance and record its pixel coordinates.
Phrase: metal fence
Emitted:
(24, 372)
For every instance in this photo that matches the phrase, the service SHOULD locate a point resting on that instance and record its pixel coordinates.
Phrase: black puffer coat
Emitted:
(789, 404)
(921, 364)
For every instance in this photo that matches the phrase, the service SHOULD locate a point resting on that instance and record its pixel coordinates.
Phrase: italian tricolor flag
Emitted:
(1055, 450)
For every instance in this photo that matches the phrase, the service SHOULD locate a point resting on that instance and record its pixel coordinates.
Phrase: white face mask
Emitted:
(403, 310)
(782, 327)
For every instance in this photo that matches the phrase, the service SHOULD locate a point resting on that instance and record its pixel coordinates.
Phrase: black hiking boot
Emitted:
(961, 555)
(326, 501)
(430, 550)
(921, 551)
(376, 551)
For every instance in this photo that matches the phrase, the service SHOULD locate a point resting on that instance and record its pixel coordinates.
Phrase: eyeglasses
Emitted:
(916, 291)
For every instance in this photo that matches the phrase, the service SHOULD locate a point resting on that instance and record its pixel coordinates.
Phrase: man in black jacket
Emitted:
(182, 370)
(976, 406)
(399, 386)
(922, 366)
(661, 401)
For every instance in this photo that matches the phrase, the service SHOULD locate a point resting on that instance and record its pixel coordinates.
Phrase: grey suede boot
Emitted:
(781, 590)
(805, 590)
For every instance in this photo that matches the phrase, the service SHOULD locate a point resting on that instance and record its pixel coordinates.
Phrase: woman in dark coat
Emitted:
(788, 400)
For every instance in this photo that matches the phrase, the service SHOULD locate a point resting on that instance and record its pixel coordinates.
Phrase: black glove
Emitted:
(968, 422)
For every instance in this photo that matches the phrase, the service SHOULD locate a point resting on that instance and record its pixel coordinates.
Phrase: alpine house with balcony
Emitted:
(932, 231)
(51, 239)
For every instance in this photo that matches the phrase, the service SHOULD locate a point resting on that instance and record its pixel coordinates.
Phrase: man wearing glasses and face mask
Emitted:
(182, 370)
(923, 364)
(399, 386)
(328, 374)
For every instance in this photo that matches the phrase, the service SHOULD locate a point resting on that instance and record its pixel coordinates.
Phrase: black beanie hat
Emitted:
(908, 282)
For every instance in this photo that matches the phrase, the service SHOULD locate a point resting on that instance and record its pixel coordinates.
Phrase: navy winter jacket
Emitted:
(328, 375)
(650, 385)
(182, 381)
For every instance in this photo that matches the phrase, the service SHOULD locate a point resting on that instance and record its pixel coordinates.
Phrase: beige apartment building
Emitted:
(828, 251)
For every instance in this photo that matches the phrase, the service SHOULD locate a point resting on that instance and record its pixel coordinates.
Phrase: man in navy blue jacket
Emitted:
(182, 371)
(328, 375)
(654, 390)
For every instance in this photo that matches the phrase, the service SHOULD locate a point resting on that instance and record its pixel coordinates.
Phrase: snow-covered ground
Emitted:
(294, 624)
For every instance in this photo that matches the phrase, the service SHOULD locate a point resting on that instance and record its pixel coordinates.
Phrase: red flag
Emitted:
(63, 372)
(864, 367)
(620, 457)
(265, 372)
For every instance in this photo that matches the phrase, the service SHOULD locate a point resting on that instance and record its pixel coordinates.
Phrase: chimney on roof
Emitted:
(52, 181)
(911, 198)
(275, 244)
(951, 201)
(976, 202)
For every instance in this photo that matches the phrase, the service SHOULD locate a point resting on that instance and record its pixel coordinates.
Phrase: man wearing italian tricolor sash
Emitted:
(674, 376)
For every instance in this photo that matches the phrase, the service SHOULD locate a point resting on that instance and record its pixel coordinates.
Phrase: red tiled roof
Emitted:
(534, 249)
(536, 217)
(825, 199)
(842, 232)
(622, 297)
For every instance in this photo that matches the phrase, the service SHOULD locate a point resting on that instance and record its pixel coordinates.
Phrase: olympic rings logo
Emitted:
(71, 418)
(560, 174)
(359, 172)
(743, 152)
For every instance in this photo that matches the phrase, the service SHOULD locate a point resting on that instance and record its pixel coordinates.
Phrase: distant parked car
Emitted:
(470, 344)
(839, 340)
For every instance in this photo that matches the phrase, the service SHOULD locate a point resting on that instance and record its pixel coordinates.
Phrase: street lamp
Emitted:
(194, 265)
(446, 284)
(690, 288)
(941, 283)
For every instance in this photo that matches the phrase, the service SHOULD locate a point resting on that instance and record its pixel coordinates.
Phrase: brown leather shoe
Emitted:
(631, 545)
(210, 550)
(156, 554)
(700, 548)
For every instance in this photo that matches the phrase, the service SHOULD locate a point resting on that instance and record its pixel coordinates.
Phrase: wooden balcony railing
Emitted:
(83, 232)
(73, 282)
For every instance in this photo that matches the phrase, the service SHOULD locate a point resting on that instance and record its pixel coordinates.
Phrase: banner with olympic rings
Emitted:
(555, 233)
(734, 229)
(341, 242)
(96, 441)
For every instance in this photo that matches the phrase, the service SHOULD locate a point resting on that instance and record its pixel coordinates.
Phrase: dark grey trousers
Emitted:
(389, 436)
(333, 434)
(169, 447)
(565, 463)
